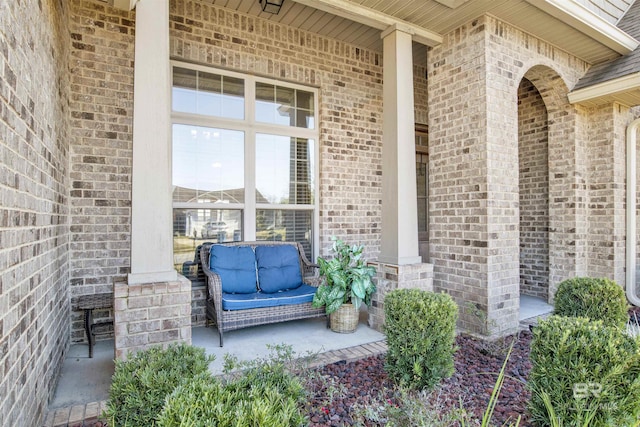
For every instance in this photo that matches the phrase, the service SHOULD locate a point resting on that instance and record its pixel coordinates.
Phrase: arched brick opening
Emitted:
(566, 201)
(533, 162)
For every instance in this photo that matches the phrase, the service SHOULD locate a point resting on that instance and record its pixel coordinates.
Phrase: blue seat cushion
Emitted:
(303, 293)
(236, 266)
(278, 268)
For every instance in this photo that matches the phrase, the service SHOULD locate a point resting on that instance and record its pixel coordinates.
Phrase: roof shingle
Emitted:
(619, 67)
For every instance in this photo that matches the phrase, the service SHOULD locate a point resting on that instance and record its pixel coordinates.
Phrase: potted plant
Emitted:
(347, 284)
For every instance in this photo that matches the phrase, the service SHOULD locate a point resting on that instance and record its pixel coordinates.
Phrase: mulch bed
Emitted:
(477, 364)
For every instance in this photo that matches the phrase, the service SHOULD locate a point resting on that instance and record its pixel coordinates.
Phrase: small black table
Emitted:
(88, 303)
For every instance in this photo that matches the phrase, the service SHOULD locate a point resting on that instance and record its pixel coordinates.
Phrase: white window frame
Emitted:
(251, 127)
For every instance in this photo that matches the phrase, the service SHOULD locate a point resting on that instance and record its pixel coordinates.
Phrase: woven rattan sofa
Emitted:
(231, 310)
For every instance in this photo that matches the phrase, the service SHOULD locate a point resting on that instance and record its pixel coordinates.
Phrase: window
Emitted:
(244, 160)
(422, 181)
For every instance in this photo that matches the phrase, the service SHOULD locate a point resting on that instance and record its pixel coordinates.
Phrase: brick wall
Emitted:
(34, 234)
(533, 161)
(473, 81)
(151, 314)
(350, 83)
(607, 191)
(102, 42)
(457, 169)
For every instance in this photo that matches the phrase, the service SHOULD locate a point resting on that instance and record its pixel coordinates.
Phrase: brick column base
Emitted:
(390, 277)
(151, 314)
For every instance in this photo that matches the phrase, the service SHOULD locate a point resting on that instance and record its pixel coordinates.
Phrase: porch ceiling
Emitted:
(435, 16)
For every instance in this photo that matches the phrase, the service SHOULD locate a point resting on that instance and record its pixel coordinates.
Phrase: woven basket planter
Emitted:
(345, 319)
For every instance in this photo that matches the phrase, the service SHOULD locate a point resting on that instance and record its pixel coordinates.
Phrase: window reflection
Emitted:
(208, 165)
(208, 94)
(285, 225)
(192, 227)
(284, 106)
(284, 170)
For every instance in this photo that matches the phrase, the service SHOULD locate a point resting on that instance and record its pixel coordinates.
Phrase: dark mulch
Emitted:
(476, 367)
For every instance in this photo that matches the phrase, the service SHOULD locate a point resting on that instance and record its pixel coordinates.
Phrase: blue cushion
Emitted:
(278, 268)
(236, 266)
(300, 295)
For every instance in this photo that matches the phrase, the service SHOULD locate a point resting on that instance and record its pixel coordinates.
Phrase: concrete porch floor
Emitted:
(533, 307)
(83, 386)
(83, 380)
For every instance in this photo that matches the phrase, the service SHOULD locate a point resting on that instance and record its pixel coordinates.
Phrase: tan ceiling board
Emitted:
(299, 16)
(322, 24)
(540, 24)
(411, 11)
(431, 15)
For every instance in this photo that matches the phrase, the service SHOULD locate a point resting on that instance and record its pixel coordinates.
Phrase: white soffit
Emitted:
(582, 19)
(452, 4)
(373, 18)
(625, 90)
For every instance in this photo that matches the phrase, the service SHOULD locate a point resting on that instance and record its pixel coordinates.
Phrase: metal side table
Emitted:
(88, 303)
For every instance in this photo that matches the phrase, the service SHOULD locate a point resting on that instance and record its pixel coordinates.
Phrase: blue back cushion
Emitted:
(236, 266)
(278, 268)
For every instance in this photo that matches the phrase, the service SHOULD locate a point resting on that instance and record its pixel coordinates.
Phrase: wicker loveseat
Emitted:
(256, 283)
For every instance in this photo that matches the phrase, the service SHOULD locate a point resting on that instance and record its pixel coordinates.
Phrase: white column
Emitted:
(151, 215)
(399, 243)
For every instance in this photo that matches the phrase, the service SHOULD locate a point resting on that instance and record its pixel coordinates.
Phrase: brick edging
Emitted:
(88, 415)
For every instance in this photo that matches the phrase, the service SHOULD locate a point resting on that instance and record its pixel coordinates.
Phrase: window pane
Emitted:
(285, 225)
(284, 106)
(233, 101)
(209, 95)
(192, 227)
(284, 170)
(208, 165)
(198, 92)
(423, 219)
(184, 90)
(421, 178)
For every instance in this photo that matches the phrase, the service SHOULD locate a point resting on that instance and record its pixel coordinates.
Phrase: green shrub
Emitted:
(140, 385)
(584, 368)
(420, 328)
(264, 394)
(597, 299)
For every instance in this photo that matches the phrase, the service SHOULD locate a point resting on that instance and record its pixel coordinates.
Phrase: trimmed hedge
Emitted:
(586, 368)
(596, 299)
(264, 395)
(421, 330)
(140, 385)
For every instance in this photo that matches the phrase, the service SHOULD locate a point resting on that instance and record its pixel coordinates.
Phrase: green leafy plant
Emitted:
(263, 393)
(421, 330)
(597, 299)
(347, 278)
(140, 384)
(405, 408)
(588, 369)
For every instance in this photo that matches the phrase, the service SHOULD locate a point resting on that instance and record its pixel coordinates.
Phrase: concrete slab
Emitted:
(83, 380)
(309, 336)
(533, 307)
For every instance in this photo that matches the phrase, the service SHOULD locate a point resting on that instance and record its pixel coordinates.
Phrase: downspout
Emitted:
(632, 131)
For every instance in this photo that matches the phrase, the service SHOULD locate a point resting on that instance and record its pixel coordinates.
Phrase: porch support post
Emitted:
(399, 243)
(153, 307)
(399, 265)
(151, 216)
